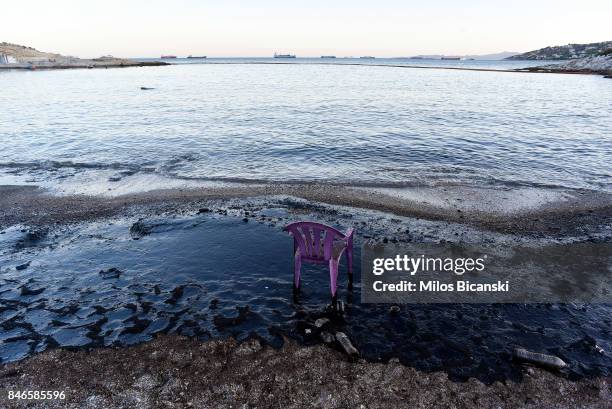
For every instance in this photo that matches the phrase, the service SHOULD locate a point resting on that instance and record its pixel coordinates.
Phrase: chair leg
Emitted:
(349, 263)
(296, 272)
(333, 276)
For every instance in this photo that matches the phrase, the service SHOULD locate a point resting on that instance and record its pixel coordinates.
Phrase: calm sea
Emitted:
(249, 120)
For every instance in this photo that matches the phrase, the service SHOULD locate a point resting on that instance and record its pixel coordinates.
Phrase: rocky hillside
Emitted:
(565, 52)
(599, 64)
(22, 53)
(27, 58)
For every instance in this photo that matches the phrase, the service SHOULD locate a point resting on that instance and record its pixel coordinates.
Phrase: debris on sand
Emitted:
(543, 360)
(224, 373)
(346, 344)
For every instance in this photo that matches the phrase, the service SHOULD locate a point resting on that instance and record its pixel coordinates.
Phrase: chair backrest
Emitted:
(315, 240)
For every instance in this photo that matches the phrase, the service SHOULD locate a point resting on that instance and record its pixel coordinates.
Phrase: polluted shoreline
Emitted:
(174, 371)
(529, 212)
(90, 273)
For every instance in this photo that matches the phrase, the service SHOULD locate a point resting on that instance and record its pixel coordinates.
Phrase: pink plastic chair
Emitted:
(320, 244)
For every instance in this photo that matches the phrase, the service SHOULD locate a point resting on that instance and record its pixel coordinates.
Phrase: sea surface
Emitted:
(363, 122)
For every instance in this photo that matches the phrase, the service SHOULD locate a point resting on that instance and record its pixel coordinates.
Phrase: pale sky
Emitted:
(383, 28)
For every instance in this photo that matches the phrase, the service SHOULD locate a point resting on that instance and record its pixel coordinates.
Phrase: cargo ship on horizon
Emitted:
(284, 55)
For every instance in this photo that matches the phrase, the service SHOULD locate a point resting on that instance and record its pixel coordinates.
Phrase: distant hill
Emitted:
(565, 52)
(23, 53)
(495, 56)
(20, 56)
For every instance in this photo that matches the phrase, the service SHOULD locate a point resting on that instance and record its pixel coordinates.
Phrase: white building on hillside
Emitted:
(7, 59)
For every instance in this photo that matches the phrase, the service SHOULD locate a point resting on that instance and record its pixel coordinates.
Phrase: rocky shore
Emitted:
(180, 372)
(600, 64)
(16, 56)
(117, 63)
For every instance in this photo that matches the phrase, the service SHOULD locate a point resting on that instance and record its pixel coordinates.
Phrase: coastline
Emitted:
(550, 70)
(174, 371)
(583, 213)
(134, 63)
(122, 64)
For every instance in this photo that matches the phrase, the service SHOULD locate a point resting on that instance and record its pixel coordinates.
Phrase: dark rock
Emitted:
(139, 326)
(110, 273)
(140, 229)
(35, 235)
(222, 322)
(175, 294)
(132, 307)
(326, 337)
(31, 238)
(204, 210)
(25, 290)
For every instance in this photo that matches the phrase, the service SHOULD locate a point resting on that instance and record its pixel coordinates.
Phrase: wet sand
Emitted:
(178, 372)
(583, 213)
